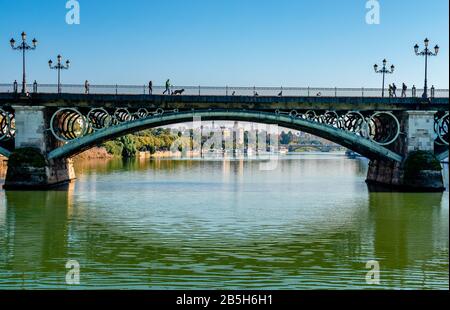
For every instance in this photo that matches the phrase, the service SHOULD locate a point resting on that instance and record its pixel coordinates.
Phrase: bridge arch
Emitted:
(352, 141)
(4, 152)
(442, 156)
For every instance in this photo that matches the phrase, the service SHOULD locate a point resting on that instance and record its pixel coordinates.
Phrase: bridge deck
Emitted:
(224, 102)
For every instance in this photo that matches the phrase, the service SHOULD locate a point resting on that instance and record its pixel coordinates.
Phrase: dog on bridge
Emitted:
(178, 92)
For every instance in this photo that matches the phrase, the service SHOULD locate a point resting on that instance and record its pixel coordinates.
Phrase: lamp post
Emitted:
(59, 66)
(23, 47)
(384, 71)
(427, 53)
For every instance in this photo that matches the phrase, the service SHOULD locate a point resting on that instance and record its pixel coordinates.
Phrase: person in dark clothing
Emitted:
(414, 91)
(167, 87)
(86, 87)
(15, 87)
(404, 89)
(150, 88)
(394, 90)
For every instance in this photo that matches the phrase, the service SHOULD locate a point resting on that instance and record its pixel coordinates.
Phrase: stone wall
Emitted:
(30, 122)
(420, 130)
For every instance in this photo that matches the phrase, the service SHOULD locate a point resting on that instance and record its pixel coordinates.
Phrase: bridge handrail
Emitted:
(224, 90)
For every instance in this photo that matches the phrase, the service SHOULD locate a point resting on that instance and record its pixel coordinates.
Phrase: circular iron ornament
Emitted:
(354, 122)
(68, 124)
(122, 115)
(443, 129)
(159, 111)
(293, 114)
(12, 126)
(7, 125)
(99, 119)
(310, 115)
(384, 128)
(142, 113)
(331, 118)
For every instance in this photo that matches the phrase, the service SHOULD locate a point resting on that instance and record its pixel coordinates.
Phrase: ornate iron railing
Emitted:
(225, 91)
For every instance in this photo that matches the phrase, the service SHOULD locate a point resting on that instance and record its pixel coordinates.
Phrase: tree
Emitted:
(129, 147)
(286, 138)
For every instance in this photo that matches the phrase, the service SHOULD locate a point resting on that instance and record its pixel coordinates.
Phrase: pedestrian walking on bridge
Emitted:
(150, 88)
(404, 89)
(167, 87)
(394, 90)
(86, 87)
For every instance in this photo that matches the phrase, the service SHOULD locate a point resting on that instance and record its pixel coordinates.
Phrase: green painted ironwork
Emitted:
(349, 140)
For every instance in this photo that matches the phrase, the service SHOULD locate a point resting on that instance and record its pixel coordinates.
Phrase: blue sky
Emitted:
(227, 42)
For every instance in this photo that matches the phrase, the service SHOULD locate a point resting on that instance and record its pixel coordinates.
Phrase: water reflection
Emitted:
(311, 223)
(34, 235)
(411, 235)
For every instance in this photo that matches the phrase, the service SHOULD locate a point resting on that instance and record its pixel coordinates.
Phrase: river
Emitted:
(311, 223)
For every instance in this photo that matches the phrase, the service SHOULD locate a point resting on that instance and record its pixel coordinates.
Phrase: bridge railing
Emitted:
(223, 91)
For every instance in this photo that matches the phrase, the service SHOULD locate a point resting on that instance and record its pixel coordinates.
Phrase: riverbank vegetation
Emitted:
(151, 141)
(161, 140)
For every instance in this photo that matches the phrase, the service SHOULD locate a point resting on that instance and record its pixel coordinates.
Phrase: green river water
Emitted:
(311, 223)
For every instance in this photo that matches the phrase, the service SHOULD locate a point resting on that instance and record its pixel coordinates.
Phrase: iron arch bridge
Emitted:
(370, 134)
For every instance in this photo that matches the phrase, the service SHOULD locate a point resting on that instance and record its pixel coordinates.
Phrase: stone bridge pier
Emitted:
(420, 169)
(28, 166)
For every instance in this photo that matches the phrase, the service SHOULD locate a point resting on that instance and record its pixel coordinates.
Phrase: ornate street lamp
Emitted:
(59, 66)
(427, 53)
(384, 71)
(23, 47)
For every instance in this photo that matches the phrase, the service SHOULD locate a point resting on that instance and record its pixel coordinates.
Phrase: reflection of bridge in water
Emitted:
(41, 132)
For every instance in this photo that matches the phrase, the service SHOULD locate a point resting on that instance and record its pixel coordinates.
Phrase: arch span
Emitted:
(349, 140)
(4, 152)
(443, 155)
